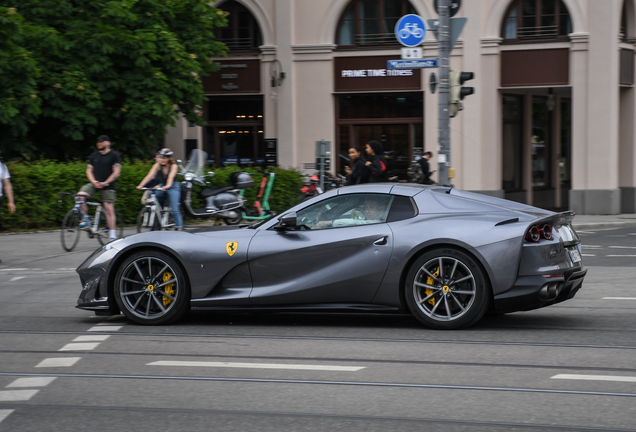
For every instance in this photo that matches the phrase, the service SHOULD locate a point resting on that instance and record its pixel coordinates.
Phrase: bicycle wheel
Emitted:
(70, 233)
(103, 233)
(147, 221)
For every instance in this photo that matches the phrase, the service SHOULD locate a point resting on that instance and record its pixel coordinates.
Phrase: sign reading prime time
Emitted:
(369, 73)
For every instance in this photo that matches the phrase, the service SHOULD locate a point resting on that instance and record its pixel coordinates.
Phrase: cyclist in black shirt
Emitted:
(104, 166)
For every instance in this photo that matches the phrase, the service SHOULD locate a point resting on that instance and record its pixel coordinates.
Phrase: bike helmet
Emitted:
(165, 152)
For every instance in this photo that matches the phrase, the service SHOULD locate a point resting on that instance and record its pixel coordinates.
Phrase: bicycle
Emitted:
(71, 229)
(154, 217)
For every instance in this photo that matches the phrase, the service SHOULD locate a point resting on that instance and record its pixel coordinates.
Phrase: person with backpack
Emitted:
(376, 165)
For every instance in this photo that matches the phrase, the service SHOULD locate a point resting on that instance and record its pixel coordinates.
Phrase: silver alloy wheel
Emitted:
(444, 288)
(149, 287)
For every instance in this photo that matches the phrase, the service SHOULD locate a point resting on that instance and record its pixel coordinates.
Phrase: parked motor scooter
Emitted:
(221, 203)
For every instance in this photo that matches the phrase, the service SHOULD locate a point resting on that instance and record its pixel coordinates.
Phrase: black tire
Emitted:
(70, 233)
(142, 292)
(143, 221)
(454, 297)
(104, 232)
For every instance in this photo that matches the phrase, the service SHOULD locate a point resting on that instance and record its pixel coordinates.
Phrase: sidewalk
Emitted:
(604, 221)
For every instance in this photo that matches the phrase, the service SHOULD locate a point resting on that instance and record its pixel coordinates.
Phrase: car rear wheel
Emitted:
(447, 289)
(151, 289)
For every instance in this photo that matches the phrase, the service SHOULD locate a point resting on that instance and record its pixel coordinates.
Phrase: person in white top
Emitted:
(6, 188)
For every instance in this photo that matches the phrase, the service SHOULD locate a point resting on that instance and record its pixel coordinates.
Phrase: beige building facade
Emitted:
(551, 122)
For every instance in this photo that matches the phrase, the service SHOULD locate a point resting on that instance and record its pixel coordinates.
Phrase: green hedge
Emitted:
(36, 187)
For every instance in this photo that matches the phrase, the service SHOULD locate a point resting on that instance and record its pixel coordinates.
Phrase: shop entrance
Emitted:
(394, 120)
(536, 147)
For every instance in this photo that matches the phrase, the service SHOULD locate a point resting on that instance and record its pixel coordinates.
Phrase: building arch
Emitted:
(337, 8)
(498, 12)
(259, 14)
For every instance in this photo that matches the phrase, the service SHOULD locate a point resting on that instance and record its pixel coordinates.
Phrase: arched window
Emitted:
(367, 23)
(242, 32)
(536, 20)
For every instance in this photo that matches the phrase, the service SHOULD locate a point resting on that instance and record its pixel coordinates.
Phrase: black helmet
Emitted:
(165, 152)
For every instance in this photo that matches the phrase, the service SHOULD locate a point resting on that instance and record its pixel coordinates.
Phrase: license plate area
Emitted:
(575, 256)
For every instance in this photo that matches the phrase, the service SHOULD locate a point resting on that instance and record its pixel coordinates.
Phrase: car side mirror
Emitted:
(287, 221)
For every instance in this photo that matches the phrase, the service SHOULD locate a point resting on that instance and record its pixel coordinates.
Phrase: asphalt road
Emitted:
(567, 367)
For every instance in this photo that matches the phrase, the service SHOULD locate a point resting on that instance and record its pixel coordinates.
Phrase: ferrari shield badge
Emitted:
(231, 248)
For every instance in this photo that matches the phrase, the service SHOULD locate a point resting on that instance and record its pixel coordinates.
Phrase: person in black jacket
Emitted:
(426, 168)
(376, 165)
(356, 174)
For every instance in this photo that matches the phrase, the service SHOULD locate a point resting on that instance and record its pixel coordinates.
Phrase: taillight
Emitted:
(538, 232)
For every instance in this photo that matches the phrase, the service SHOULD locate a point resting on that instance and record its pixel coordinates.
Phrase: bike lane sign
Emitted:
(410, 30)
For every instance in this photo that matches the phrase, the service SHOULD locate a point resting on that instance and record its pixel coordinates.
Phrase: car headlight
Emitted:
(188, 176)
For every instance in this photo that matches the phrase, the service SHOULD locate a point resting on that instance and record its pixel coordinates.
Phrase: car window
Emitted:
(401, 208)
(345, 211)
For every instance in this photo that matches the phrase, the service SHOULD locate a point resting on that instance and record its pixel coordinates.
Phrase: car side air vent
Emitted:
(509, 221)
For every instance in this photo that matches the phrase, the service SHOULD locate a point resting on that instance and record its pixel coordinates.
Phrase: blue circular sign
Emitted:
(410, 30)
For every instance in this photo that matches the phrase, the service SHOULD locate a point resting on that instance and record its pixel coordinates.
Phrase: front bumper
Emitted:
(527, 292)
(93, 276)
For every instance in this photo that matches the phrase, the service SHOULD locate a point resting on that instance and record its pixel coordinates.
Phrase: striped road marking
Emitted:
(622, 247)
(588, 255)
(91, 338)
(619, 298)
(596, 378)
(17, 278)
(258, 366)
(104, 328)
(83, 346)
(32, 382)
(59, 362)
(622, 256)
(16, 395)
(4, 414)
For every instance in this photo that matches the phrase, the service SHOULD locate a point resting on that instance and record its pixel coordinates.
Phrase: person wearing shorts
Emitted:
(104, 166)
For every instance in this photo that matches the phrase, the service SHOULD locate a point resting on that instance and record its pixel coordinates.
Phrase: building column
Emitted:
(627, 159)
(595, 187)
(284, 94)
(527, 148)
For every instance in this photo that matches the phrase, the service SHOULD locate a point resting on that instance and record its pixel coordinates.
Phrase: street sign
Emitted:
(454, 6)
(411, 64)
(410, 30)
(456, 27)
(412, 53)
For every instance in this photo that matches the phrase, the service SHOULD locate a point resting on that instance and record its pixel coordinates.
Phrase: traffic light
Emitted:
(457, 92)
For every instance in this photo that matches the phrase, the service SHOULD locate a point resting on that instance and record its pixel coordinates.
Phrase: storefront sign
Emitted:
(371, 74)
(234, 76)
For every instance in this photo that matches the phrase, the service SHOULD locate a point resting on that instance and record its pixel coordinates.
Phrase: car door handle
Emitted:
(381, 241)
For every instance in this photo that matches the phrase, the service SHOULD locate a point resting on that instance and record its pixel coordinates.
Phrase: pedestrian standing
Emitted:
(6, 189)
(426, 168)
(104, 166)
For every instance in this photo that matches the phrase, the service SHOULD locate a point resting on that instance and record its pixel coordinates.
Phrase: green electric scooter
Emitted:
(260, 210)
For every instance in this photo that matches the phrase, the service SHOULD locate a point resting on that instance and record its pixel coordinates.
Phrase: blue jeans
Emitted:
(174, 197)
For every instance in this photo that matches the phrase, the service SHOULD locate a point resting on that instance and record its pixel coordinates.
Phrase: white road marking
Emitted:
(619, 298)
(591, 246)
(105, 328)
(623, 256)
(91, 338)
(588, 254)
(16, 395)
(258, 366)
(17, 278)
(79, 346)
(585, 232)
(4, 414)
(622, 247)
(15, 269)
(32, 382)
(596, 378)
(59, 362)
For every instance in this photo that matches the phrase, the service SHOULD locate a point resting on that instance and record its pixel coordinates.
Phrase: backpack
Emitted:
(415, 173)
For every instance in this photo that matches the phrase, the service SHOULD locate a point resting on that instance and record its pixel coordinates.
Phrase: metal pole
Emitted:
(323, 145)
(443, 36)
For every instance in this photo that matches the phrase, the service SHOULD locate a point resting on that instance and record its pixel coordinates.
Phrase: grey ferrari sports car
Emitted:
(444, 255)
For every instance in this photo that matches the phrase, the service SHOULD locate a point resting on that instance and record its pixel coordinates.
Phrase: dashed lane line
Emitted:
(619, 298)
(16, 395)
(611, 378)
(5, 413)
(621, 256)
(588, 255)
(622, 247)
(17, 278)
(258, 366)
(104, 328)
(91, 338)
(32, 382)
(58, 362)
(82, 346)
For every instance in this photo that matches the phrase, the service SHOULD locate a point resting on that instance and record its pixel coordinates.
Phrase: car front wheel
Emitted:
(447, 289)
(151, 289)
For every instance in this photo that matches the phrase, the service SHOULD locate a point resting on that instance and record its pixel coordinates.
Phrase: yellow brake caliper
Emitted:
(428, 291)
(169, 289)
